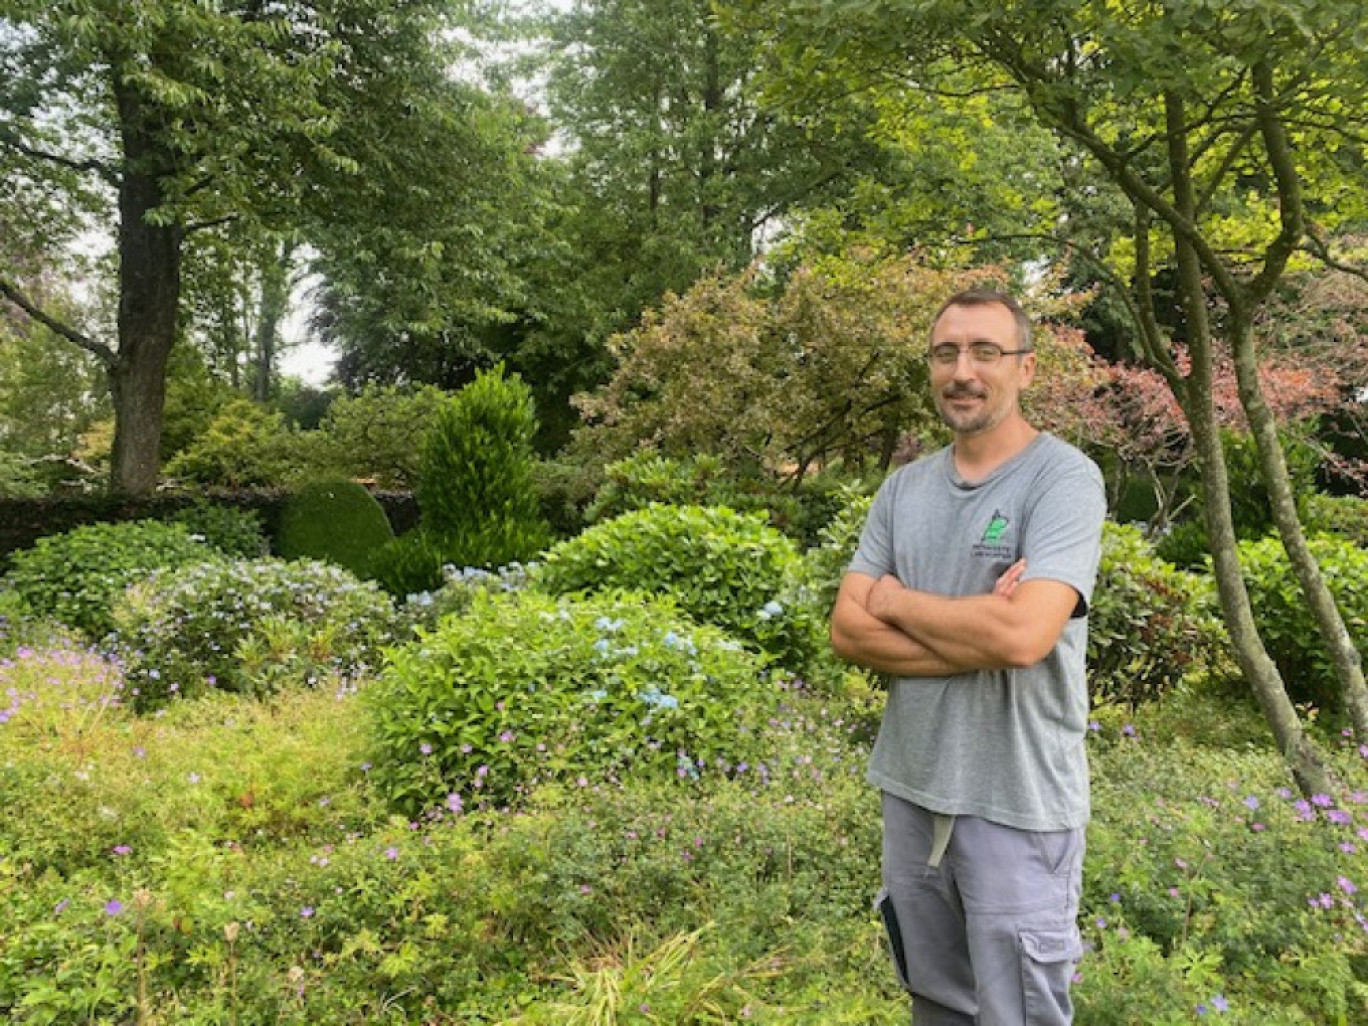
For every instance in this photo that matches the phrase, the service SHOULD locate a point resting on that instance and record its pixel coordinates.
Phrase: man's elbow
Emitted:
(1021, 650)
(841, 642)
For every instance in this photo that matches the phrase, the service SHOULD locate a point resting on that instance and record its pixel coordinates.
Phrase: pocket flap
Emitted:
(1049, 946)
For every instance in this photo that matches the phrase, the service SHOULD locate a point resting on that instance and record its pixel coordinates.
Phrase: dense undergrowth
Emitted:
(231, 860)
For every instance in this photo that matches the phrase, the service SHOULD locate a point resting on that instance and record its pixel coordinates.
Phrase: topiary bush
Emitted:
(1286, 625)
(333, 520)
(248, 626)
(528, 689)
(475, 490)
(1150, 623)
(232, 530)
(77, 576)
(722, 567)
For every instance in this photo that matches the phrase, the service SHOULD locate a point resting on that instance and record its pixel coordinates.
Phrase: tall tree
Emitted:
(1214, 122)
(164, 117)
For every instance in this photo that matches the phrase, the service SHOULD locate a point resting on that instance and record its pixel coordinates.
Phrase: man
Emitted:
(970, 587)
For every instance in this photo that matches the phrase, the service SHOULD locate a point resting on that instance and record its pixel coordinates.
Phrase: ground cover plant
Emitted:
(235, 860)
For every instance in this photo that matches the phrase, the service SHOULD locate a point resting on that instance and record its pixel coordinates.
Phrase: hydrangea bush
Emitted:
(77, 576)
(527, 689)
(722, 567)
(248, 626)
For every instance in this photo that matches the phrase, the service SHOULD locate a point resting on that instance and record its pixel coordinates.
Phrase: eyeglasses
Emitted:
(985, 354)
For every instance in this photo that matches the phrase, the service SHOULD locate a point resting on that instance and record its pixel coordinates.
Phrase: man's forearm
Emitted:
(863, 639)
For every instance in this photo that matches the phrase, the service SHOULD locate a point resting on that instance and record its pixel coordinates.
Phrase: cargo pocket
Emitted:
(1048, 958)
(884, 904)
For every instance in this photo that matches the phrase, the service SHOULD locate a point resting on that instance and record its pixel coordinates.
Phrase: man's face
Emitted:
(974, 397)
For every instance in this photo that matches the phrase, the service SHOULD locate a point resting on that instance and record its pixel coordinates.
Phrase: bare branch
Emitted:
(13, 142)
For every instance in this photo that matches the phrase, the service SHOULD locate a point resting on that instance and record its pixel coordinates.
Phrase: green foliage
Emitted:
(232, 530)
(478, 503)
(245, 444)
(77, 577)
(1344, 515)
(527, 689)
(334, 520)
(722, 567)
(1151, 625)
(17, 477)
(21, 630)
(410, 564)
(646, 477)
(248, 626)
(1286, 624)
(825, 564)
(378, 433)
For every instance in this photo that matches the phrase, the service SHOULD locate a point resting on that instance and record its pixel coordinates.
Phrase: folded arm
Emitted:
(994, 631)
(876, 642)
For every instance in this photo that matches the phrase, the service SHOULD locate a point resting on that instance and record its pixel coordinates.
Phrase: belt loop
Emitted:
(941, 829)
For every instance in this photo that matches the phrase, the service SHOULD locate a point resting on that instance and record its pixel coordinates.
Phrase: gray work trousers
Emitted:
(983, 931)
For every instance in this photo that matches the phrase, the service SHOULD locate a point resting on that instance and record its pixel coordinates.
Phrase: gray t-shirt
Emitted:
(1004, 745)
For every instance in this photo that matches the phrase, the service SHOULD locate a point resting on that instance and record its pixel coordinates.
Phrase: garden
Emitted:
(432, 435)
(620, 780)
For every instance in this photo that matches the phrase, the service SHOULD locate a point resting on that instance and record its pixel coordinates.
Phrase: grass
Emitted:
(229, 862)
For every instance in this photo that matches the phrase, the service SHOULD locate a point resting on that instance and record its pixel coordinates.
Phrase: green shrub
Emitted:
(244, 445)
(378, 433)
(1285, 623)
(1185, 545)
(232, 530)
(526, 689)
(722, 567)
(336, 521)
(647, 478)
(77, 576)
(18, 479)
(825, 564)
(478, 503)
(1344, 515)
(457, 592)
(1150, 624)
(248, 626)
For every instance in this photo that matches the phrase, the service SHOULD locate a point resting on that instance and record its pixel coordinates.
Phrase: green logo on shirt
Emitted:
(992, 534)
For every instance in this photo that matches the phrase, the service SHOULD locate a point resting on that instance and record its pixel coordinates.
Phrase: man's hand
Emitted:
(888, 591)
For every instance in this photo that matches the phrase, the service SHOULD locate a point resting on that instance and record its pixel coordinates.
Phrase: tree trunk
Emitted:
(1344, 656)
(275, 294)
(1303, 759)
(149, 300)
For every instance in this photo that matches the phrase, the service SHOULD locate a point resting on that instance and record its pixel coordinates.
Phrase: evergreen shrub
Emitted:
(77, 576)
(476, 492)
(244, 445)
(1285, 623)
(247, 626)
(723, 567)
(1150, 623)
(334, 520)
(378, 433)
(234, 531)
(528, 689)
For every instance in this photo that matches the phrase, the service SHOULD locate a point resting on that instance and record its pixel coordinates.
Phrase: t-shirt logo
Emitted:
(992, 534)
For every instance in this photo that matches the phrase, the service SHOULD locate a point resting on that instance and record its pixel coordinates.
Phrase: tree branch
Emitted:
(100, 168)
(106, 355)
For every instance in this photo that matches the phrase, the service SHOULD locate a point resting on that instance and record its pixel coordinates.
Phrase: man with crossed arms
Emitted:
(970, 588)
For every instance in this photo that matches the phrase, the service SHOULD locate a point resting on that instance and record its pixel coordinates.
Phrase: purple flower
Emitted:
(1346, 885)
(306, 912)
(425, 748)
(1323, 800)
(507, 736)
(1220, 1003)
(113, 907)
(61, 906)
(391, 853)
(122, 849)
(1339, 816)
(453, 802)
(1251, 802)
